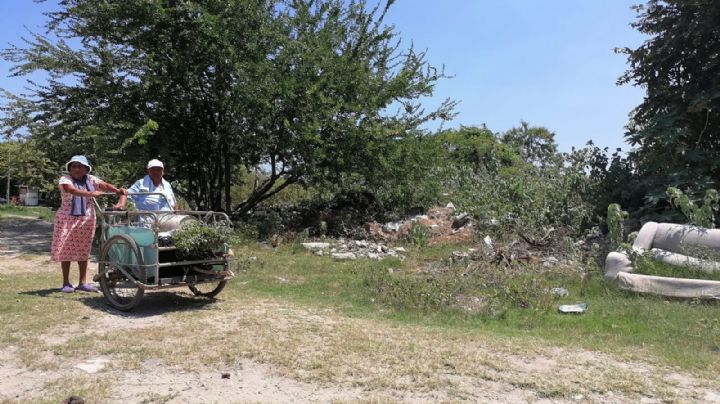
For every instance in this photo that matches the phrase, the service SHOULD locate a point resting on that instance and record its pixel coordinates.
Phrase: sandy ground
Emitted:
(24, 246)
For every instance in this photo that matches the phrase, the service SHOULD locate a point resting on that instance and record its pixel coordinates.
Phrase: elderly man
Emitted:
(153, 182)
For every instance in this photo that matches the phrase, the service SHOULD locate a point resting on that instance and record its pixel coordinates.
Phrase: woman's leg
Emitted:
(83, 285)
(65, 265)
(83, 271)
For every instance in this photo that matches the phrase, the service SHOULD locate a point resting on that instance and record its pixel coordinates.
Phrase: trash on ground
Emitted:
(573, 308)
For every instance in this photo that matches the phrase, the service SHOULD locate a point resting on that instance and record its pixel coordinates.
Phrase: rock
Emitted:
(92, 365)
(459, 255)
(559, 292)
(373, 256)
(315, 246)
(362, 243)
(344, 256)
(450, 206)
(391, 227)
(225, 375)
(400, 249)
(74, 400)
(488, 241)
(460, 221)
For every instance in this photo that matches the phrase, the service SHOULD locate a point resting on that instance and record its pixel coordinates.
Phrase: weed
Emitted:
(419, 235)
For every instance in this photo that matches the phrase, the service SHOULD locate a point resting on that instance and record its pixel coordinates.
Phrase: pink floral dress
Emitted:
(72, 235)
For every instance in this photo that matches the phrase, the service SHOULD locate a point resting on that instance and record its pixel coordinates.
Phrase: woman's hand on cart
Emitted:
(118, 206)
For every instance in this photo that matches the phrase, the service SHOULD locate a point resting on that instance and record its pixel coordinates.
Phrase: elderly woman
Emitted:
(75, 220)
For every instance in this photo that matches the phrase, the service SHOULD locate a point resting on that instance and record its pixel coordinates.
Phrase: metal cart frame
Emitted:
(133, 258)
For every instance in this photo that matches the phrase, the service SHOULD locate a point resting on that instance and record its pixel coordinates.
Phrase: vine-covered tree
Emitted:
(310, 91)
(676, 129)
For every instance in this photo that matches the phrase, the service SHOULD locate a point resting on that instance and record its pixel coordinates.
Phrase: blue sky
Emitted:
(548, 62)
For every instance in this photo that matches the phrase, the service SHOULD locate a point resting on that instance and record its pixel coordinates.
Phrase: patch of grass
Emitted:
(648, 266)
(90, 388)
(37, 212)
(678, 332)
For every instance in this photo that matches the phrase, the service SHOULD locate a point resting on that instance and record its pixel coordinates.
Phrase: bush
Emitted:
(200, 240)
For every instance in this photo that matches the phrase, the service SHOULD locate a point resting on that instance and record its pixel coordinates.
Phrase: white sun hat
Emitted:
(78, 159)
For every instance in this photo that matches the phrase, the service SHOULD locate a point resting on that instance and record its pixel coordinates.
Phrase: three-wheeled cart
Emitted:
(137, 254)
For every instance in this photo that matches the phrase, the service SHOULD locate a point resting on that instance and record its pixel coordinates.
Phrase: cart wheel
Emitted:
(120, 251)
(207, 289)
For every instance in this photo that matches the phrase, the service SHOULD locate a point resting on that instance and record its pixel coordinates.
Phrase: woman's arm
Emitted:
(69, 188)
(120, 191)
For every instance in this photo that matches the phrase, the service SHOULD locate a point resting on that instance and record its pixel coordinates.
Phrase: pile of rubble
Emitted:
(342, 250)
(509, 254)
(443, 226)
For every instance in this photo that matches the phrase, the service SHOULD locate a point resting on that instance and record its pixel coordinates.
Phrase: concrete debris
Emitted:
(441, 224)
(315, 246)
(342, 250)
(488, 241)
(93, 365)
(391, 227)
(344, 256)
(561, 292)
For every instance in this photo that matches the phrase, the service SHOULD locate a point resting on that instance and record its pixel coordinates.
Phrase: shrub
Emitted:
(200, 240)
(700, 215)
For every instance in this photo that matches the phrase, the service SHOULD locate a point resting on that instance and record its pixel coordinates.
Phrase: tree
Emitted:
(676, 129)
(302, 89)
(534, 143)
(22, 163)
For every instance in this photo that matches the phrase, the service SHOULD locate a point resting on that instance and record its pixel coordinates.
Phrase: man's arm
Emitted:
(134, 188)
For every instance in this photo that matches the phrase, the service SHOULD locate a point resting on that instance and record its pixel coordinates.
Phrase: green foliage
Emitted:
(304, 89)
(649, 266)
(200, 240)
(419, 235)
(491, 290)
(677, 126)
(535, 144)
(615, 223)
(408, 292)
(703, 215)
(270, 224)
(26, 164)
(474, 170)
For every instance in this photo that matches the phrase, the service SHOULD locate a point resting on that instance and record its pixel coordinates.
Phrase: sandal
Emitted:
(86, 287)
(67, 288)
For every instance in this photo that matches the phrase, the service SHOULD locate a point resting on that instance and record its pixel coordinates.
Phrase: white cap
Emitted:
(155, 163)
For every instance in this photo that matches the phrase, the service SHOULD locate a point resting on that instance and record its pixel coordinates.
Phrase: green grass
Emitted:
(683, 333)
(647, 266)
(39, 212)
